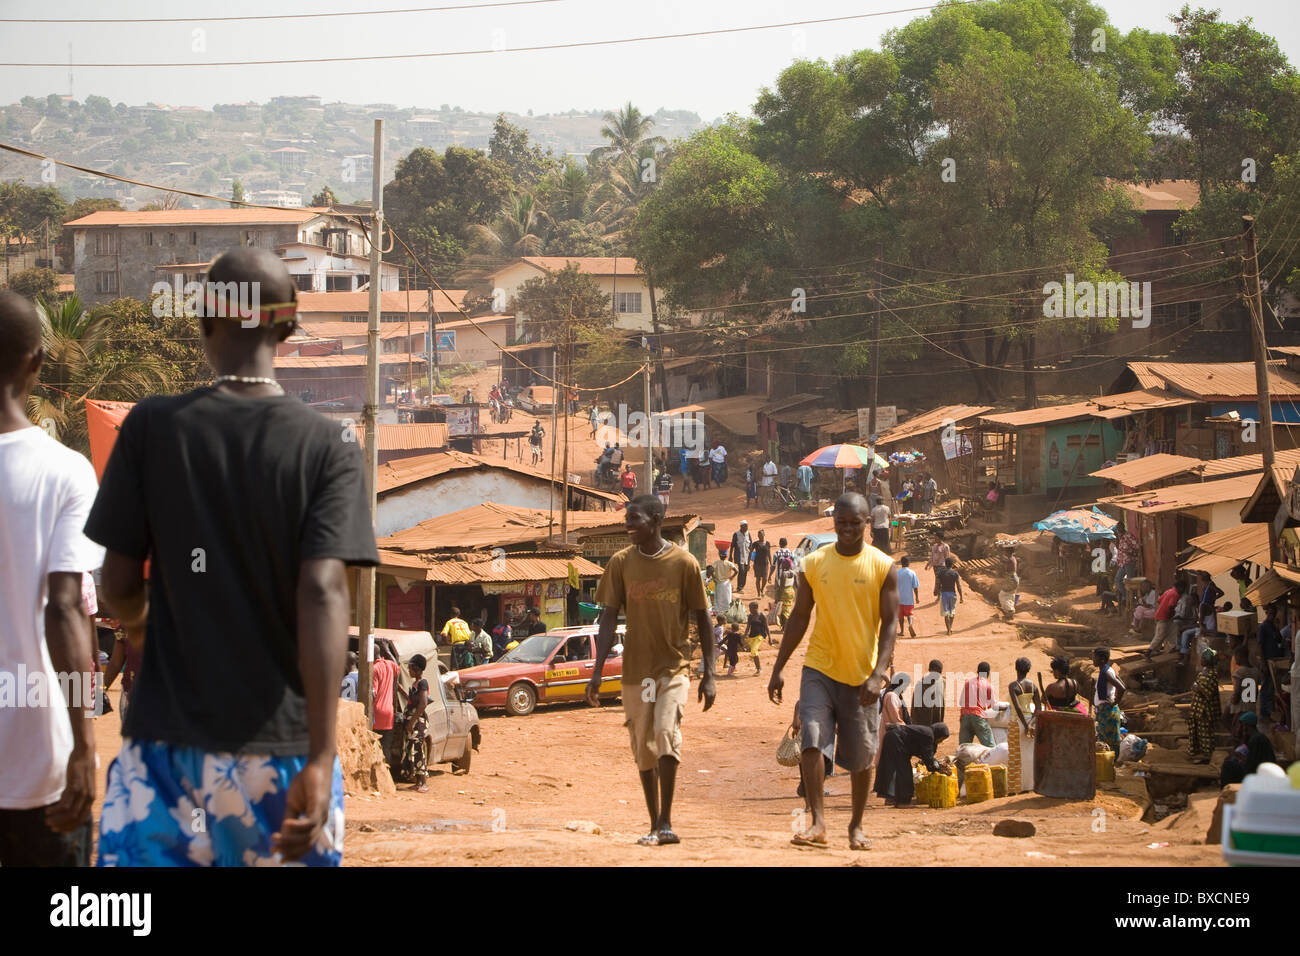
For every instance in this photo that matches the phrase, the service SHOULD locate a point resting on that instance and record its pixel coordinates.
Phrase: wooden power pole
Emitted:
(370, 419)
(1264, 400)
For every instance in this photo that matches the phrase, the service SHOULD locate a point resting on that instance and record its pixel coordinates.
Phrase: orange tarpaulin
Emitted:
(102, 422)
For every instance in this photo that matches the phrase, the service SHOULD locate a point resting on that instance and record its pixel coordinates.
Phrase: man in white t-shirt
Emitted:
(47, 746)
(718, 461)
(880, 517)
(769, 473)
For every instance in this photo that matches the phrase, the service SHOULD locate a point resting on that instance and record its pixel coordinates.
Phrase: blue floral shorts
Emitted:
(181, 806)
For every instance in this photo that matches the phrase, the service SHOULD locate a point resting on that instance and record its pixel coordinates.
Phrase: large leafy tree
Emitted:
(527, 162)
(1020, 98)
(433, 198)
(565, 308)
(1238, 100)
(27, 211)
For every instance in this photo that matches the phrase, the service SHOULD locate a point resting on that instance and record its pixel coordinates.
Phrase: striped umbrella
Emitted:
(844, 456)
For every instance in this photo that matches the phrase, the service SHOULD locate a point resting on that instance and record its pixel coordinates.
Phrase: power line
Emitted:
(537, 48)
(284, 16)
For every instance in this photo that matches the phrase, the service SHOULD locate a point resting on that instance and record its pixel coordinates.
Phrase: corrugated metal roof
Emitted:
(195, 217)
(1166, 195)
(487, 525)
(1285, 349)
(737, 414)
(1143, 471)
(392, 300)
(357, 360)
(1244, 542)
(1179, 497)
(1217, 381)
(1272, 584)
(407, 437)
(1221, 467)
(930, 421)
(404, 471)
(587, 265)
(1104, 406)
(686, 523)
(790, 401)
(1215, 564)
(478, 567)
(1041, 416)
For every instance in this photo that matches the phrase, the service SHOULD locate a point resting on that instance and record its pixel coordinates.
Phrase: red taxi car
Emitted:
(544, 669)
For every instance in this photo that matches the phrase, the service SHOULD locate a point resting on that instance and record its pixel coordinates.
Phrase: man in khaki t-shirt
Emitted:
(658, 587)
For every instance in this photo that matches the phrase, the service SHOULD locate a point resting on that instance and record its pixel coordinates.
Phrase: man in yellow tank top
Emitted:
(855, 589)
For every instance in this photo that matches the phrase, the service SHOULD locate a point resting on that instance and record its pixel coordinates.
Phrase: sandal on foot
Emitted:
(650, 839)
(800, 840)
(667, 837)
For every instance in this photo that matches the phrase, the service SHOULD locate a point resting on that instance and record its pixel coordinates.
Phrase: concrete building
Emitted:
(418, 488)
(618, 278)
(118, 254)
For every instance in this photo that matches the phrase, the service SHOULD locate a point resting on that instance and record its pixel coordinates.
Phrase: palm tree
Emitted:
(627, 131)
(572, 193)
(520, 230)
(80, 363)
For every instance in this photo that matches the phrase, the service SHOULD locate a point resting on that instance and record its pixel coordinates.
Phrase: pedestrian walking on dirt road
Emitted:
(658, 587)
(855, 591)
(741, 545)
(47, 752)
(250, 506)
(939, 552)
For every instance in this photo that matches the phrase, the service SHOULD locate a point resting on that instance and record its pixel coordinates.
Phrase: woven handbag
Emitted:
(787, 751)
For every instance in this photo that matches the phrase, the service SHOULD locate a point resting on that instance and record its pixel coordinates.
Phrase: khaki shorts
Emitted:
(655, 725)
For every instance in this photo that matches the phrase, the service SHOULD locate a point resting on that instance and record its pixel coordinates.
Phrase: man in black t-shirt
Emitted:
(248, 506)
(533, 623)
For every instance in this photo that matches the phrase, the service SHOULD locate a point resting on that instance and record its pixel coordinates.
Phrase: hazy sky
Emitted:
(710, 75)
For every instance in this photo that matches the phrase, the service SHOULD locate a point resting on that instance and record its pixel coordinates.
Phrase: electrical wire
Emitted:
(282, 16)
(537, 48)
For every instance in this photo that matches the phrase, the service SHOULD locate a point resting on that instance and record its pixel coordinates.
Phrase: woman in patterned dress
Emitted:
(1025, 703)
(416, 725)
(1204, 716)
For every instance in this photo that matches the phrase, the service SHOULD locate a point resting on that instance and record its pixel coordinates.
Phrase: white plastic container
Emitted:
(1262, 828)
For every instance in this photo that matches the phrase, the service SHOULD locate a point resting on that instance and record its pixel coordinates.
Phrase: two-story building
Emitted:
(118, 254)
(619, 278)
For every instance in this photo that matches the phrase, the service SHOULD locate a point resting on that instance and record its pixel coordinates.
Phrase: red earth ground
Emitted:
(571, 765)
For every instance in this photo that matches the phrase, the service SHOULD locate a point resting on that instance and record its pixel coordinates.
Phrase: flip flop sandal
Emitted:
(668, 838)
(650, 839)
(800, 840)
(863, 846)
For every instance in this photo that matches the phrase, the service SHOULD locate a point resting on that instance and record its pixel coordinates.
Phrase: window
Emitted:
(252, 238)
(303, 282)
(105, 243)
(1170, 237)
(148, 238)
(338, 283)
(627, 302)
(194, 238)
(106, 282)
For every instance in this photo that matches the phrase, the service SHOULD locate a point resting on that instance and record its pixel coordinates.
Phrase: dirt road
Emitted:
(570, 764)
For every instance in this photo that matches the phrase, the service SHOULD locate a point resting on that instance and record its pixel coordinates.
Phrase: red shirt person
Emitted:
(385, 676)
(1166, 628)
(977, 695)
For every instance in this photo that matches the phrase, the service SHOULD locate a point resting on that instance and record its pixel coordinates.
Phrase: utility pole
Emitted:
(648, 488)
(370, 419)
(555, 374)
(875, 347)
(564, 504)
(1264, 400)
(429, 344)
